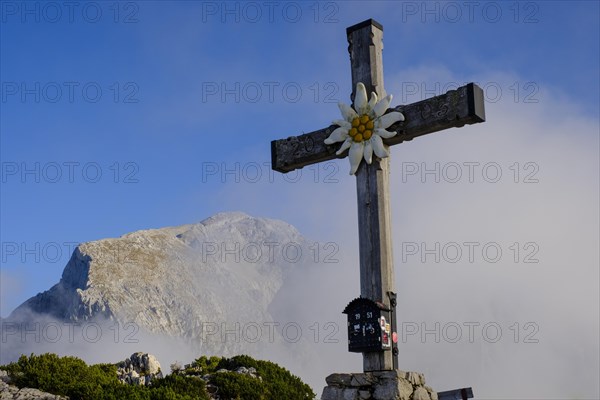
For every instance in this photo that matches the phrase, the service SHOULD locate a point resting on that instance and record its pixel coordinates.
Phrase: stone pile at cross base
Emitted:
(378, 385)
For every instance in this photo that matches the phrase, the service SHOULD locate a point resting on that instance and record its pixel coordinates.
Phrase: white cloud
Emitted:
(553, 220)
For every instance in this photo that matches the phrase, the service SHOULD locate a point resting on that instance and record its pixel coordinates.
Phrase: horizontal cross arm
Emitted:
(455, 108)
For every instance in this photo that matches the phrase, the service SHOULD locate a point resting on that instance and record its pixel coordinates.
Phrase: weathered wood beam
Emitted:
(455, 108)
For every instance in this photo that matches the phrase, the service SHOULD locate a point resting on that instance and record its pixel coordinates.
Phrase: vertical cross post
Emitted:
(372, 187)
(454, 109)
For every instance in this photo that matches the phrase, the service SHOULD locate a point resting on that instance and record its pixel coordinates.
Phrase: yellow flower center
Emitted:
(362, 128)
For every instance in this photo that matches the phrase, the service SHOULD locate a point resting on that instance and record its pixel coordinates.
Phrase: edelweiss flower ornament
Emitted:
(364, 127)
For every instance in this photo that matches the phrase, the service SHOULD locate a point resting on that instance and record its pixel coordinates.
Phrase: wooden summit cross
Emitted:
(453, 109)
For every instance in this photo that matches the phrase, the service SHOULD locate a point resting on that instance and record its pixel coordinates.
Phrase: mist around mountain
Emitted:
(232, 284)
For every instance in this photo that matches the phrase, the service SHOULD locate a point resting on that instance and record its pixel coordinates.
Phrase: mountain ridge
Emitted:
(226, 268)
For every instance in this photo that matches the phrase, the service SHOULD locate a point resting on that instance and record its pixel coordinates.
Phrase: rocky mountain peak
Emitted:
(173, 281)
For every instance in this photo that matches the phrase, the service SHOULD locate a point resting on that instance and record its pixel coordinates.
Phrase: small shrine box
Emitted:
(368, 326)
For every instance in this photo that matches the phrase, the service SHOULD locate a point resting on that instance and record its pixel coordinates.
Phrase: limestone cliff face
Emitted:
(173, 281)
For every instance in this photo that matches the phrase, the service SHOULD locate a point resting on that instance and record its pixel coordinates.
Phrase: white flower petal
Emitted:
(345, 146)
(337, 135)
(385, 134)
(372, 104)
(342, 123)
(360, 98)
(388, 120)
(382, 106)
(347, 112)
(378, 147)
(355, 156)
(368, 152)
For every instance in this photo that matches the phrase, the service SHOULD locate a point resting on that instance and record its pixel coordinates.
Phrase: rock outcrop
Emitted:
(139, 369)
(10, 392)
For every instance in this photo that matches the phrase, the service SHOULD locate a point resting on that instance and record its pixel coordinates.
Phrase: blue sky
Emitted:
(126, 109)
